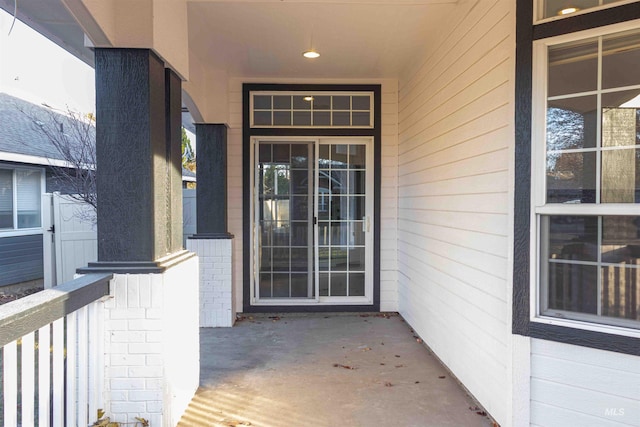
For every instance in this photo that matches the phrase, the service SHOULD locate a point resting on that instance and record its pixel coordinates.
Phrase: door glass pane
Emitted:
(286, 261)
(287, 249)
(341, 228)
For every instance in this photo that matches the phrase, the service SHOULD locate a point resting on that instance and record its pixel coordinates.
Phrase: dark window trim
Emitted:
(526, 33)
(248, 133)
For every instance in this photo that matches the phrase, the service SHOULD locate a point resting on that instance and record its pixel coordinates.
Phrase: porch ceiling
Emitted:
(266, 38)
(356, 38)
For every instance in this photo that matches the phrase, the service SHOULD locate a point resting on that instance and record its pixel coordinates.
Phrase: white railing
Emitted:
(52, 355)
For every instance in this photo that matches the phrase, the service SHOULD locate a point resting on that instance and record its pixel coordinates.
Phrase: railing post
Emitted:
(72, 357)
(58, 373)
(28, 380)
(44, 372)
(10, 376)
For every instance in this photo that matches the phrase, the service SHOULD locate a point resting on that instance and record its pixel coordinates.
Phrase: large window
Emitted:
(560, 8)
(587, 158)
(20, 193)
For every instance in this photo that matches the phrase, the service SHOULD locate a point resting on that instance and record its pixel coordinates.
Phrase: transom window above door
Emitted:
(311, 109)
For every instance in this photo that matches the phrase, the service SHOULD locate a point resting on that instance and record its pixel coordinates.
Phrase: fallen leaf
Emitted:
(338, 365)
(397, 355)
(366, 349)
(417, 382)
(399, 366)
(388, 384)
(482, 413)
(442, 377)
(382, 364)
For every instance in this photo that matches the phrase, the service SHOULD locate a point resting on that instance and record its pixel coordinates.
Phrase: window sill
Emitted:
(23, 232)
(602, 337)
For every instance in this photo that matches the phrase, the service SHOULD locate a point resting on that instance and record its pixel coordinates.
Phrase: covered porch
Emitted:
(352, 369)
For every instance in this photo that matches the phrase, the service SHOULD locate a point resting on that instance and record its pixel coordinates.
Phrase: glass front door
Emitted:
(312, 221)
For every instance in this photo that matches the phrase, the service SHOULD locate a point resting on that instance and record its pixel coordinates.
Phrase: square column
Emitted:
(152, 343)
(138, 106)
(212, 242)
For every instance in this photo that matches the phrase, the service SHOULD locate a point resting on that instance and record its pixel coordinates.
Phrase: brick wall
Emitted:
(217, 307)
(152, 345)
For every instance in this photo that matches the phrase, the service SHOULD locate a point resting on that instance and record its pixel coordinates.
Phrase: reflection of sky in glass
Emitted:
(633, 103)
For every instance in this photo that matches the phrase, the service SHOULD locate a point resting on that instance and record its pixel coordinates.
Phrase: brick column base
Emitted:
(152, 345)
(216, 282)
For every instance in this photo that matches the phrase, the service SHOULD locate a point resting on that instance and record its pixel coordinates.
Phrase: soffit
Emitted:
(53, 20)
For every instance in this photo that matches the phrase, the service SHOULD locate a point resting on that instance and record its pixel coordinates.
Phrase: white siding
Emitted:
(455, 165)
(388, 273)
(579, 386)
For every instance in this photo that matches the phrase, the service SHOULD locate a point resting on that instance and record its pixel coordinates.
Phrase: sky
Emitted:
(37, 70)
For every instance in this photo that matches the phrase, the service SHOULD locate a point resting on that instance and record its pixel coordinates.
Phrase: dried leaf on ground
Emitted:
(388, 384)
(442, 377)
(338, 365)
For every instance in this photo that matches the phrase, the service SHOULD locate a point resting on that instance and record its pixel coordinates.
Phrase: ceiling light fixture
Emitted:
(568, 10)
(311, 54)
(308, 98)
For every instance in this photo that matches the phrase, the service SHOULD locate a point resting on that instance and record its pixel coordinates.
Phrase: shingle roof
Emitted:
(18, 128)
(19, 134)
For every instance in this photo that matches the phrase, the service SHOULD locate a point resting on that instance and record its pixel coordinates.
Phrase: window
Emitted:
(560, 8)
(20, 193)
(311, 109)
(588, 187)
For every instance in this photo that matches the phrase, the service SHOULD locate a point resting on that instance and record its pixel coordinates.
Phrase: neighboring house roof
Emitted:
(20, 140)
(187, 175)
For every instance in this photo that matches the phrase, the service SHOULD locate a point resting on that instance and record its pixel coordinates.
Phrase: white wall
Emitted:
(152, 345)
(455, 199)
(579, 386)
(388, 282)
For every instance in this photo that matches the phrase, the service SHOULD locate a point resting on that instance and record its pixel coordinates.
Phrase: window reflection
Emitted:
(593, 264)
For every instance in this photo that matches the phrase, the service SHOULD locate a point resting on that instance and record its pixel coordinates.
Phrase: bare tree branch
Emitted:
(72, 135)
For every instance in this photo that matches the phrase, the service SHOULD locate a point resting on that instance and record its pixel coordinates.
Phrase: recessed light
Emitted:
(568, 10)
(308, 98)
(311, 54)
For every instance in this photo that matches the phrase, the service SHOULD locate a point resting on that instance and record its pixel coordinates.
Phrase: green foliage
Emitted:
(188, 156)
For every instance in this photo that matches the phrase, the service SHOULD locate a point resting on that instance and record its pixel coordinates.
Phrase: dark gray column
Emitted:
(173, 202)
(137, 104)
(211, 189)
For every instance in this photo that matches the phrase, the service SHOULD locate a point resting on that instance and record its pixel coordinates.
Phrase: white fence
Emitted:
(72, 241)
(58, 335)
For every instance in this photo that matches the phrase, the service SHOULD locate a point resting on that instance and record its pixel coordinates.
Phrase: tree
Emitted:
(73, 137)
(188, 156)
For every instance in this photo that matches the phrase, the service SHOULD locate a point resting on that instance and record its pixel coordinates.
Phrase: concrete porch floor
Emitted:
(324, 370)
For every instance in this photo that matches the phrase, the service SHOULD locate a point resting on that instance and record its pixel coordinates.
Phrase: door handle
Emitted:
(366, 226)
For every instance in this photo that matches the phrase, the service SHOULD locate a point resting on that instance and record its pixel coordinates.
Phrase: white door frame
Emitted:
(368, 225)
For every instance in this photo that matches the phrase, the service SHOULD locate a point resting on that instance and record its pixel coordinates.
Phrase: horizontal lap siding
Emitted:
(388, 190)
(21, 259)
(573, 385)
(454, 199)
